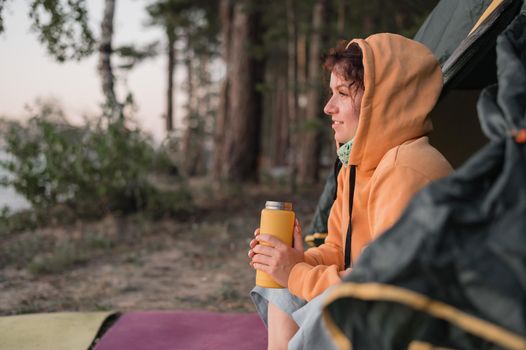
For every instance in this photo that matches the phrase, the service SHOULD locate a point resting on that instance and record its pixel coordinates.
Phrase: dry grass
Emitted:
(134, 263)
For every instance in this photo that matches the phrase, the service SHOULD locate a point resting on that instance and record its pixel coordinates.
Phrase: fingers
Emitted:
(262, 259)
(269, 239)
(298, 239)
(297, 224)
(264, 250)
(261, 249)
(297, 228)
(253, 243)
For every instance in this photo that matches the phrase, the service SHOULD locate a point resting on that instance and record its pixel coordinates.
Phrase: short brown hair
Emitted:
(347, 62)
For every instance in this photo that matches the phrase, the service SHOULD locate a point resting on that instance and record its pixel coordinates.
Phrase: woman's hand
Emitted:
(278, 259)
(253, 243)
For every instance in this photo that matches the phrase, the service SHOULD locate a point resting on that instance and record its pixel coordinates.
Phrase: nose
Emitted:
(330, 108)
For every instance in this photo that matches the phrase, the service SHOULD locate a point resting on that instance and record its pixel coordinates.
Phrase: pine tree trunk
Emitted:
(308, 170)
(282, 119)
(292, 89)
(170, 83)
(191, 142)
(104, 66)
(279, 116)
(204, 105)
(270, 118)
(300, 121)
(226, 13)
(242, 141)
(169, 117)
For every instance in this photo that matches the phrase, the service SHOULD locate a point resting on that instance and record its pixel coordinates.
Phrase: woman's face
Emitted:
(344, 108)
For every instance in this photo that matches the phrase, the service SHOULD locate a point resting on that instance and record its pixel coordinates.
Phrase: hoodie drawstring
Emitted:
(352, 180)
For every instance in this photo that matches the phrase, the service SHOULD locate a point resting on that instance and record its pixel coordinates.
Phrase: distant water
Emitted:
(8, 195)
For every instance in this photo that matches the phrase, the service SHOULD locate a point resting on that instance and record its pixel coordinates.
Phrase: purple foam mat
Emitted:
(185, 330)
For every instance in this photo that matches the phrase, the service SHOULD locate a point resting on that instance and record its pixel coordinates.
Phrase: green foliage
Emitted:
(87, 172)
(195, 20)
(132, 55)
(17, 221)
(63, 27)
(20, 252)
(2, 4)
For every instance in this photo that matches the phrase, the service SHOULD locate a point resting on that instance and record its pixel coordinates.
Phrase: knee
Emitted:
(281, 328)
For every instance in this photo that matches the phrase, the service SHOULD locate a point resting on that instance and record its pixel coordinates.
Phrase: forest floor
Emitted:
(132, 263)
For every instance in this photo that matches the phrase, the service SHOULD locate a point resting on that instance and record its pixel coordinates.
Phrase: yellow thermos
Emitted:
(277, 219)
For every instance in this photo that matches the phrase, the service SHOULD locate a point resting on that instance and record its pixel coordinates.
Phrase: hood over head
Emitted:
(402, 82)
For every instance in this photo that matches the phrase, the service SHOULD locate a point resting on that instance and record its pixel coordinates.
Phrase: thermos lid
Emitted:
(278, 205)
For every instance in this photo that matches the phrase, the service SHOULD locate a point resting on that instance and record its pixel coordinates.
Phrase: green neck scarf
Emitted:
(344, 152)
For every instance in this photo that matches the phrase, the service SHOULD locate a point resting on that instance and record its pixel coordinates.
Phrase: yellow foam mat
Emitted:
(50, 331)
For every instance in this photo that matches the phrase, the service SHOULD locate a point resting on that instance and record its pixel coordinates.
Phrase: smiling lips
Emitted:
(336, 122)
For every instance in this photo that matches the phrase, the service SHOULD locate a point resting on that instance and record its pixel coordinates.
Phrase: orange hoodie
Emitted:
(391, 156)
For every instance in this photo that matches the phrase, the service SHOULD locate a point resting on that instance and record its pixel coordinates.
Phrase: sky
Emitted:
(27, 72)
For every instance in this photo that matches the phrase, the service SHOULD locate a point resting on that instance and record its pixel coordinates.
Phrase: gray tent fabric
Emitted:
(448, 24)
(473, 63)
(451, 272)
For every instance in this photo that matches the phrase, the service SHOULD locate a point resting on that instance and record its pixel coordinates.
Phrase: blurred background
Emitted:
(140, 140)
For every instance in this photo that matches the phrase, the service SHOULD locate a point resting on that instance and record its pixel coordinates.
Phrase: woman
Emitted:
(382, 89)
